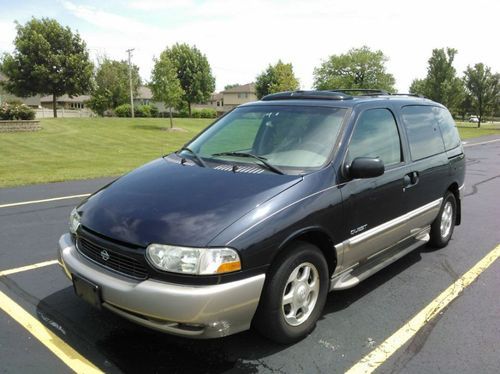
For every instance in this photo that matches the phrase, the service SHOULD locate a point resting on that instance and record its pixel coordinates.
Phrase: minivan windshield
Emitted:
(285, 137)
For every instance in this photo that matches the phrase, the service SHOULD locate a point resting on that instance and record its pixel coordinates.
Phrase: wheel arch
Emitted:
(453, 188)
(316, 236)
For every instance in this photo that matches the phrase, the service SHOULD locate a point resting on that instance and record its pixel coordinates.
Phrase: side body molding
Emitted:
(412, 225)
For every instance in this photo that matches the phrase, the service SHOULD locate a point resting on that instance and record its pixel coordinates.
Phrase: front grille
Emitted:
(114, 260)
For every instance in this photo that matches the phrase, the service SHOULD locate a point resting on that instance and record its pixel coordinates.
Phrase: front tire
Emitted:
(443, 226)
(294, 295)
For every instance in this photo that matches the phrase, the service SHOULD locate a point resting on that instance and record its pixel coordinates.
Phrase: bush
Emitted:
(182, 113)
(204, 113)
(208, 113)
(154, 111)
(141, 111)
(123, 110)
(10, 112)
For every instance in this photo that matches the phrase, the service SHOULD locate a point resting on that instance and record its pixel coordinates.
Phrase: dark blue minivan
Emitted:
(275, 204)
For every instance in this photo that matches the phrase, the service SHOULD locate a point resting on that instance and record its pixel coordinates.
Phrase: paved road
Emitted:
(465, 338)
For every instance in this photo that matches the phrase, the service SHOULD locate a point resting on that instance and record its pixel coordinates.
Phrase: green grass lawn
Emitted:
(469, 130)
(79, 148)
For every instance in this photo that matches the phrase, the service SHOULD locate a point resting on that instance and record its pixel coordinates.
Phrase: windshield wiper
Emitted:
(199, 160)
(263, 160)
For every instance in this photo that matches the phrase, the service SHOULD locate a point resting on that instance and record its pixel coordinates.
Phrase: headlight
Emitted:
(74, 221)
(193, 260)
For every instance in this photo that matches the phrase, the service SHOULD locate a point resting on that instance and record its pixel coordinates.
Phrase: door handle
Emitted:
(410, 180)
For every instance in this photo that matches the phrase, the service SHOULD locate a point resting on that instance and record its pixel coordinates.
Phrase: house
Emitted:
(66, 102)
(5, 97)
(228, 99)
(144, 96)
(216, 100)
(242, 94)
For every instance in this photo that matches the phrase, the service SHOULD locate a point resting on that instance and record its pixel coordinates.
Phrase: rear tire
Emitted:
(443, 226)
(294, 294)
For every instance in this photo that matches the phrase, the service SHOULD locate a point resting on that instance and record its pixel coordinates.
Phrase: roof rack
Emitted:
(310, 95)
(365, 91)
(408, 94)
(375, 92)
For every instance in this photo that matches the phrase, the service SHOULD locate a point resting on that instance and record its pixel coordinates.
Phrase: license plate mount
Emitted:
(87, 290)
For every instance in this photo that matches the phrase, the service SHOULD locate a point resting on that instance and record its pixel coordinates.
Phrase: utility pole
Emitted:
(129, 51)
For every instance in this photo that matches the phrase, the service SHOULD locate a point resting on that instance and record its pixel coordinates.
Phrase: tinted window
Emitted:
(292, 137)
(447, 126)
(376, 135)
(423, 132)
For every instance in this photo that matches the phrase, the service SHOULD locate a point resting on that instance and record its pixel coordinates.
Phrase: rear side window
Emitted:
(448, 129)
(376, 135)
(423, 131)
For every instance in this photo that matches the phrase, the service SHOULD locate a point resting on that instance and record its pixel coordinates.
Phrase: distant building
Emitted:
(235, 96)
(228, 99)
(216, 100)
(32, 101)
(144, 96)
(66, 102)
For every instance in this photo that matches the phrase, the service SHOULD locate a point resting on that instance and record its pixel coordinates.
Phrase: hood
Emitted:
(169, 203)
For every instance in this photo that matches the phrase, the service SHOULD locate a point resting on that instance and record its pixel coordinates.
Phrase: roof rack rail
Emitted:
(408, 94)
(365, 91)
(308, 95)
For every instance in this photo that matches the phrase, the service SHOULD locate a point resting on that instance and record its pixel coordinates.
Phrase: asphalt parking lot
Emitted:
(464, 337)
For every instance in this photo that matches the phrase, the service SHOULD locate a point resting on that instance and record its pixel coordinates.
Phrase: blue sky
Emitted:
(240, 38)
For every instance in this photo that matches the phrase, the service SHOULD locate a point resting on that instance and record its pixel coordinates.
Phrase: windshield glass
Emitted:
(287, 137)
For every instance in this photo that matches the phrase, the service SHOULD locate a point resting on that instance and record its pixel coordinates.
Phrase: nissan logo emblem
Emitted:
(105, 255)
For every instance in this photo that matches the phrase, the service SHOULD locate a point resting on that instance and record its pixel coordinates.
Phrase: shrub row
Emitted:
(145, 111)
(148, 111)
(197, 113)
(9, 112)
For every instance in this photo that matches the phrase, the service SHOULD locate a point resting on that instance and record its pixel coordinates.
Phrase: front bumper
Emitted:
(194, 311)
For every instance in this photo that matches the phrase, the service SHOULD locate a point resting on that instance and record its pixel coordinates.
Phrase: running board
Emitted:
(353, 277)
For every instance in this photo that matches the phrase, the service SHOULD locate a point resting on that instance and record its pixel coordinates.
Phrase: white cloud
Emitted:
(7, 35)
(160, 5)
(240, 38)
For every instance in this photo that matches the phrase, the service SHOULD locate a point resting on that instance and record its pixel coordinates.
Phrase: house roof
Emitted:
(244, 88)
(144, 92)
(216, 96)
(66, 99)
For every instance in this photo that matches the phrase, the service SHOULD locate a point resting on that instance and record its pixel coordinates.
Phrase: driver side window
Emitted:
(376, 135)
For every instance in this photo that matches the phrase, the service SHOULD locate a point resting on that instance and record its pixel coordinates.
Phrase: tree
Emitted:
(193, 72)
(48, 59)
(276, 78)
(417, 87)
(228, 86)
(112, 86)
(465, 106)
(483, 87)
(441, 83)
(358, 68)
(165, 85)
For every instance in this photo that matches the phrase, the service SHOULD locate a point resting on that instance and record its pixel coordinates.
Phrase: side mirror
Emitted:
(366, 167)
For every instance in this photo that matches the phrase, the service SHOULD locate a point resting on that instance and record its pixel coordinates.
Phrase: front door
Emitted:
(373, 207)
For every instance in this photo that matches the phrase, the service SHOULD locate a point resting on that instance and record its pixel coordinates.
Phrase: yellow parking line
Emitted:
(27, 267)
(379, 355)
(56, 345)
(43, 200)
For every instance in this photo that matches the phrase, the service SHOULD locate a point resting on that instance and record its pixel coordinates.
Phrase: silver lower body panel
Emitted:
(194, 311)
